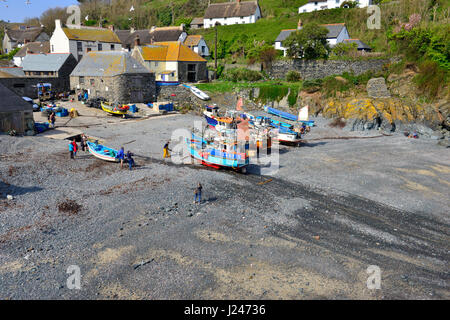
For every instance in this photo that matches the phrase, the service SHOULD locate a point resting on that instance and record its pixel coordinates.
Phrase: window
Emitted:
(80, 56)
(81, 80)
(112, 47)
(53, 48)
(315, 3)
(92, 82)
(88, 49)
(156, 63)
(79, 46)
(203, 49)
(100, 47)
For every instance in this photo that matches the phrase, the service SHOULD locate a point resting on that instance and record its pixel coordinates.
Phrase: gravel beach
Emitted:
(309, 231)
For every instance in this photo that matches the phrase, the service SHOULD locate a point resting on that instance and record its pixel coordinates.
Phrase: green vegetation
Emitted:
(309, 43)
(241, 74)
(10, 55)
(293, 76)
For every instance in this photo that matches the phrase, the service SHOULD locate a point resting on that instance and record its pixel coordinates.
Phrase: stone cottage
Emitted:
(17, 38)
(37, 68)
(115, 76)
(15, 113)
(172, 62)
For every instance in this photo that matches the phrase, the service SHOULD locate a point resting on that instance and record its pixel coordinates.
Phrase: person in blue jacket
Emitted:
(71, 149)
(121, 156)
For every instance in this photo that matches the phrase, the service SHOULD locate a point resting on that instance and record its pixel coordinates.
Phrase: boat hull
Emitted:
(102, 153)
(109, 110)
(215, 158)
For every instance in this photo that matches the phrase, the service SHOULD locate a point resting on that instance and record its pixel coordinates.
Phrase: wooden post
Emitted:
(215, 52)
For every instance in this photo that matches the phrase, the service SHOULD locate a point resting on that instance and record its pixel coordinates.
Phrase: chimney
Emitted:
(300, 24)
(111, 27)
(58, 24)
(137, 41)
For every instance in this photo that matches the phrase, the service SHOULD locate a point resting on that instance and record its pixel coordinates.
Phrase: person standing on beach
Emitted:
(71, 150)
(166, 150)
(84, 143)
(75, 147)
(121, 156)
(52, 119)
(130, 159)
(198, 194)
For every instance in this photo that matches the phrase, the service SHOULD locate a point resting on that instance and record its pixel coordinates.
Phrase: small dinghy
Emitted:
(102, 152)
(199, 93)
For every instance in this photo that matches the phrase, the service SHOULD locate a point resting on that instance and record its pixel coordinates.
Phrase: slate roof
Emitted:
(231, 9)
(35, 47)
(11, 102)
(11, 72)
(100, 35)
(361, 45)
(44, 62)
(333, 31)
(21, 35)
(107, 64)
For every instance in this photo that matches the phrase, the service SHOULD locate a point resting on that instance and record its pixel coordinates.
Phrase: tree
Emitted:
(49, 16)
(345, 48)
(308, 43)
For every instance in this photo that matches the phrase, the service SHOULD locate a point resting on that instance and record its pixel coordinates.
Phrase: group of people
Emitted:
(129, 156)
(73, 146)
(83, 96)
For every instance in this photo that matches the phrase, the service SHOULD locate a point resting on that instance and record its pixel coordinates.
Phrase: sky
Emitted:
(18, 10)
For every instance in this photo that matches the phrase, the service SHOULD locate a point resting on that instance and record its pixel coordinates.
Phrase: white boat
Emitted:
(198, 93)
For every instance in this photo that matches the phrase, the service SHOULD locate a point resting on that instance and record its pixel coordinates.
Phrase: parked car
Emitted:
(30, 101)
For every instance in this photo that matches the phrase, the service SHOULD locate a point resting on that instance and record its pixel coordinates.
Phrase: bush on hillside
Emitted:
(241, 74)
(293, 76)
(430, 79)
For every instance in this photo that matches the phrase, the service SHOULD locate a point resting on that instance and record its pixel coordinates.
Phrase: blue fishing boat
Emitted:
(288, 116)
(223, 154)
(102, 152)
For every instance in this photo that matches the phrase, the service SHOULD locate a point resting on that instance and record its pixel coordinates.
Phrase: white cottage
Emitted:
(80, 40)
(337, 32)
(230, 13)
(197, 44)
(315, 5)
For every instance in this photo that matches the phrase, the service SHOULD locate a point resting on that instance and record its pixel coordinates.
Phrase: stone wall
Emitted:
(125, 88)
(26, 86)
(317, 69)
(179, 95)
